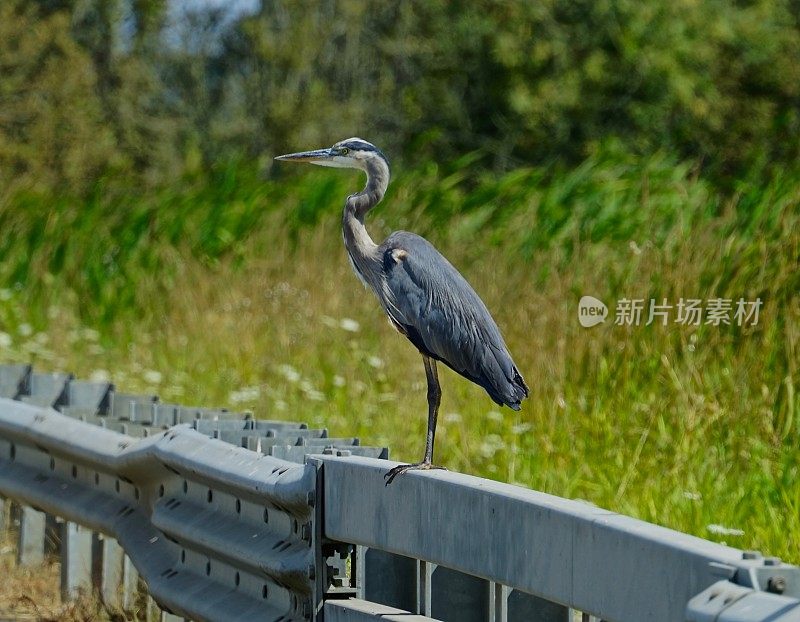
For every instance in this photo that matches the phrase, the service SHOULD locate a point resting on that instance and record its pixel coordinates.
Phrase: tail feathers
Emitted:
(494, 371)
(519, 391)
(510, 393)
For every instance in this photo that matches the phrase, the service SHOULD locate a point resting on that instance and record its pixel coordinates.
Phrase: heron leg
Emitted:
(434, 399)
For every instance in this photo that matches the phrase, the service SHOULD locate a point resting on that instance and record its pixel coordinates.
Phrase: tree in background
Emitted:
(52, 132)
(152, 88)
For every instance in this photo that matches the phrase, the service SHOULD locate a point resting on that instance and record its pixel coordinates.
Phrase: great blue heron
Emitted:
(425, 297)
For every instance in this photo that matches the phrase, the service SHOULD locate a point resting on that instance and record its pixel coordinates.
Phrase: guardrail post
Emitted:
(359, 561)
(76, 560)
(130, 584)
(109, 566)
(424, 583)
(5, 506)
(30, 546)
(498, 602)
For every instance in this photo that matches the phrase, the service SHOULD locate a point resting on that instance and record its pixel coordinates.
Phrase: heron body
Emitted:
(435, 307)
(424, 296)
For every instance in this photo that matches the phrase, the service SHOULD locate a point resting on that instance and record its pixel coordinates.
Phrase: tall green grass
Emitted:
(234, 290)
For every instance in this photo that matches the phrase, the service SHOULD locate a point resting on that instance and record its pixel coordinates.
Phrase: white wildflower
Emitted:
(349, 325)
(375, 362)
(496, 440)
(314, 395)
(5, 294)
(25, 330)
(721, 530)
(45, 354)
(521, 428)
(245, 394)
(494, 415)
(100, 375)
(491, 445)
(692, 496)
(5, 340)
(152, 376)
(311, 392)
(289, 372)
(451, 418)
(339, 381)
(90, 334)
(488, 450)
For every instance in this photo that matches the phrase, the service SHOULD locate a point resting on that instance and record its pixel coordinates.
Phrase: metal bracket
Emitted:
(755, 589)
(725, 601)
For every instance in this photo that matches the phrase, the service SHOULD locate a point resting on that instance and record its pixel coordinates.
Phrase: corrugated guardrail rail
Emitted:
(226, 517)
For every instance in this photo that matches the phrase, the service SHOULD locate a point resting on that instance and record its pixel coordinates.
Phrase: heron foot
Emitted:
(402, 468)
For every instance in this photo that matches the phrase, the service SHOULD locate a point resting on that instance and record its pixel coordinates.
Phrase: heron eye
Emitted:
(343, 151)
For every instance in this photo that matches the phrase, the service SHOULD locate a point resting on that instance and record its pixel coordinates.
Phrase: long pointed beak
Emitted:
(315, 156)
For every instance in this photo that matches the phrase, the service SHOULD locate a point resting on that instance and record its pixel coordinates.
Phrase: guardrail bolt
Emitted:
(305, 532)
(772, 561)
(776, 585)
(752, 555)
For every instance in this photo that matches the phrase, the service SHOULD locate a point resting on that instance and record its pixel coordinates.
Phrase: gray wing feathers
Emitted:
(444, 317)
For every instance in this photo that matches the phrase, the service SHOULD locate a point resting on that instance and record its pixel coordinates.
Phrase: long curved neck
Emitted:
(362, 250)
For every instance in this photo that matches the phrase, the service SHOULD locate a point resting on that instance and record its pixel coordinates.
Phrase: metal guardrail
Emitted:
(202, 503)
(517, 552)
(220, 526)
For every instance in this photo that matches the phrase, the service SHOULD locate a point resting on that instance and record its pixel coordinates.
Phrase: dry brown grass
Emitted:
(34, 592)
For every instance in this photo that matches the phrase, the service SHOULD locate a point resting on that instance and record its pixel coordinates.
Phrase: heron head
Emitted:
(348, 153)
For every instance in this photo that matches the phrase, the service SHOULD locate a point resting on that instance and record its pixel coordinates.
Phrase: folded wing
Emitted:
(433, 305)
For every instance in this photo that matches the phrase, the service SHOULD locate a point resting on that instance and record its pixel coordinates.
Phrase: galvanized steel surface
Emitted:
(218, 532)
(612, 566)
(223, 529)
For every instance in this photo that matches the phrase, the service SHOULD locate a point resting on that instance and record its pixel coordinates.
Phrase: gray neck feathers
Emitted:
(362, 250)
(377, 182)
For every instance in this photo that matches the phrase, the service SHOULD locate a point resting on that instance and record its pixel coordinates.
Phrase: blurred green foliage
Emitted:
(122, 249)
(152, 89)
